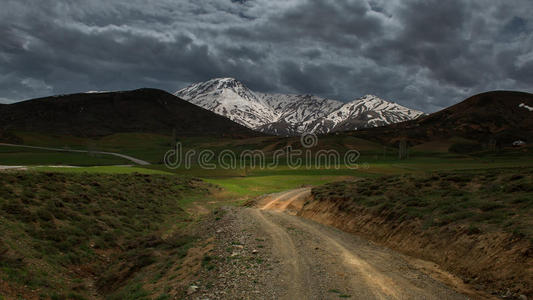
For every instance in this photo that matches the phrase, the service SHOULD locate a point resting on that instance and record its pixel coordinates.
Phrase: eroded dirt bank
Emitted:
(495, 262)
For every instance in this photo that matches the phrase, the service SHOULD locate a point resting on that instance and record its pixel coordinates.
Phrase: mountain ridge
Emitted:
(292, 114)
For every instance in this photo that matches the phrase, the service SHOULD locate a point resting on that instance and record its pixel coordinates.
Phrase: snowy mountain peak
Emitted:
(283, 114)
(369, 97)
(227, 82)
(213, 86)
(230, 98)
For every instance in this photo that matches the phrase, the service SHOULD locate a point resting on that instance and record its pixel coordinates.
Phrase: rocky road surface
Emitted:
(264, 252)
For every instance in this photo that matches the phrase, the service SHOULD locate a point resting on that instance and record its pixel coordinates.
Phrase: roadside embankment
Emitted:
(474, 225)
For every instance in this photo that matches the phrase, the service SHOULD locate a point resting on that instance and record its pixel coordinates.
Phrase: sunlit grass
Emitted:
(258, 185)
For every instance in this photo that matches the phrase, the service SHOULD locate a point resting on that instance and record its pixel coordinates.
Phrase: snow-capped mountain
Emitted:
(230, 98)
(282, 114)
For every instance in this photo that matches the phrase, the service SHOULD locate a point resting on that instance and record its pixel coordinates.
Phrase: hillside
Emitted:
(101, 114)
(289, 115)
(89, 236)
(500, 117)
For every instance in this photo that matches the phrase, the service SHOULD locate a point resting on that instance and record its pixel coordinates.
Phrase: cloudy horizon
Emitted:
(425, 55)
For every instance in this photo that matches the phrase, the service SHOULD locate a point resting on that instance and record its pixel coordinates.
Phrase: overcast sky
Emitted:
(424, 54)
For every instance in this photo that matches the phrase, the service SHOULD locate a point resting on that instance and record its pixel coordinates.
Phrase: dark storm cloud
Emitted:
(312, 54)
(315, 79)
(244, 52)
(423, 54)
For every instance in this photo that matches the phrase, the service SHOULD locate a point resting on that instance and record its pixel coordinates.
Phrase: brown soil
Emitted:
(183, 273)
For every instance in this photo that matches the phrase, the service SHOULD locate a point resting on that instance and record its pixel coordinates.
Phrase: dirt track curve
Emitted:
(127, 157)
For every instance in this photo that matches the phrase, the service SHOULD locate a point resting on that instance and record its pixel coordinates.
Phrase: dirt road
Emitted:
(301, 259)
(127, 157)
(289, 201)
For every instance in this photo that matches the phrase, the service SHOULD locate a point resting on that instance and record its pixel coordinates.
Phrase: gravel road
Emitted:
(266, 253)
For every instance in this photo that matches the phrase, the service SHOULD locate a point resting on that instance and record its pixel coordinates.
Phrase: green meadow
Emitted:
(375, 160)
(243, 182)
(25, 156)
(100, 170)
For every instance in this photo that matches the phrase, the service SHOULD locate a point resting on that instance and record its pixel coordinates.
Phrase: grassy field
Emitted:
(251, 182)
(256, 181)
(146, 146)
(258, 185)
(24, 156)
(243, 183)
(152, 147)
(102, 170)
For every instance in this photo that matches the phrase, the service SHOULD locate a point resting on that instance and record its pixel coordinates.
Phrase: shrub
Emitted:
(473, 230)
(16, 210)
(491, 206)
(45, 215)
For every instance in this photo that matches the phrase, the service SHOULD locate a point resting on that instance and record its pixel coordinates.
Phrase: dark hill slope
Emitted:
(500, 116)
(99, 114)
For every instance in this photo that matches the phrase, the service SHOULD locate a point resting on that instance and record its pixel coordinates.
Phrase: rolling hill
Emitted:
(500, 117)
(101, 114)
